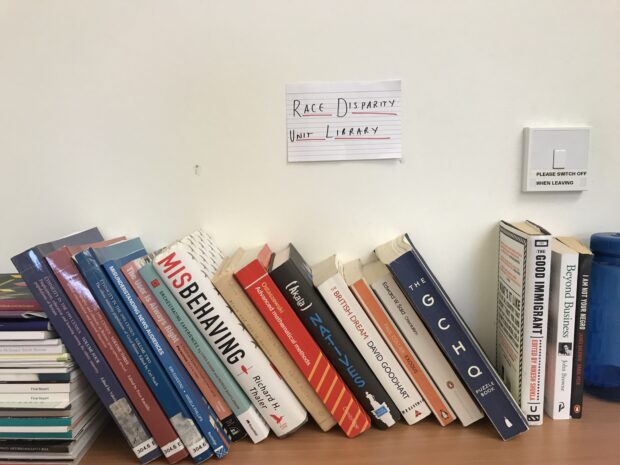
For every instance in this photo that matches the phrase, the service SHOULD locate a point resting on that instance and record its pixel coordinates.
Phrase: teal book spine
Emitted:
(210, 362)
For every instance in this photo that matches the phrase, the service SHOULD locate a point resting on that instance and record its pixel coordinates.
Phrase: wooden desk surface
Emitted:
(595, 439)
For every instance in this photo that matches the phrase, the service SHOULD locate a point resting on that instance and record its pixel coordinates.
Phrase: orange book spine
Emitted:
(401, 350)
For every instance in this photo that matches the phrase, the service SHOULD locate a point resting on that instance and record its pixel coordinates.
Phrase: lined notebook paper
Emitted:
(332, 121)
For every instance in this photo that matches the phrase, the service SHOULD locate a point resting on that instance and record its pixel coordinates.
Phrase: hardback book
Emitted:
(415, 333)
(584, 271)
(187, 270)
(180, 347)
(436, 310)
(253, 277)
(25, 325)
(15, 295)
(561, 330)
(50, 295)
(143, 356)
(88, 310)
(264, 336)
(331, 285)
(293, 277)
(522, 313)
(27, 335)
(209, 360)
(355, 279)
(112, 258)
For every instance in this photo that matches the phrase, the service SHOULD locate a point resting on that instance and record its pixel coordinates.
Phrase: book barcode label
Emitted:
(144, 448)
(172, 448)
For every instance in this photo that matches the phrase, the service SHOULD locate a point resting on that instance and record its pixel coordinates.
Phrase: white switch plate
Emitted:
(556, 159)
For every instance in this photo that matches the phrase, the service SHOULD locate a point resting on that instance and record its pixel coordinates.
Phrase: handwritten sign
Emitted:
(343, 121)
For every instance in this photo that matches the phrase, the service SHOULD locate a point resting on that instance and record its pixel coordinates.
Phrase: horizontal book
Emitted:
(22, 315)
(24, 325)
(27, 335)
(452, 334)
(22, 349)
(15, 295)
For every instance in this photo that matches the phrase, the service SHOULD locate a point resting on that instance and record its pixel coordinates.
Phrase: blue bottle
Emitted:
(602, 368)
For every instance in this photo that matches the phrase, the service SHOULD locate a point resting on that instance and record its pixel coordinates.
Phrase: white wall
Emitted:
(105, 108)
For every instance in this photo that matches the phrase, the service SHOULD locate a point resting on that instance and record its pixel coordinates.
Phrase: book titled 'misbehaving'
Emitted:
(435, 308)
(187, 275)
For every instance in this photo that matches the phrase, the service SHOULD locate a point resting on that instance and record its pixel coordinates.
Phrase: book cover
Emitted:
(264, 336)
(15, 295)
(561, 330)
(293, 277)
(306, 353)
(522, 313)
(52, 298)
(409, 361)
(228, 387)
(111, 259)
(115, 353)
(187, 273)
(452, 334)
(330, 283)
(181, 349)
(145, 359)
(413, 330)
(25, 325)
(584, 271)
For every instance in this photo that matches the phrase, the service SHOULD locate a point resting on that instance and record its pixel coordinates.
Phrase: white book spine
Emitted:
(563, 300)
(37, 388)
(32, 349)
(374, 349)
(30, 397)
(426, 348)
(535, 315)
(188, 281)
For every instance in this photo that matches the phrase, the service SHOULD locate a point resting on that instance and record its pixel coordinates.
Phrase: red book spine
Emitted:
(26, 305)
(306, 353)
(116, 355)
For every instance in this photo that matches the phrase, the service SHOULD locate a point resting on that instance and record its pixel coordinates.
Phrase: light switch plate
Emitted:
(556, 159)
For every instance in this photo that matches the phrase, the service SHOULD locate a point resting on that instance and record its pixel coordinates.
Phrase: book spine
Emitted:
(22, 350)
(306, 353)
(143, 357)
(372, 347)
(273, 349)
(37, 388)
(17, 304)
(204, 416)
(50, 296)
(210, 362)
(561, 335)
(180, 347)
(336, 345)
(25, 325)
(401, 350)
(222, 329)
(116, 355)
(460, 347)
(429, 353)
(61, 398)
(581, 326)
(535, 316)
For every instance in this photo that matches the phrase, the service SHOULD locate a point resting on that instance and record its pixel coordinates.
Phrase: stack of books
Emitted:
(48, 412)
(189, 350)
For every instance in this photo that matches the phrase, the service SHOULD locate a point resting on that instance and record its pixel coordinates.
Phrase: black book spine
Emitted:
(336, 345)
(581, 326)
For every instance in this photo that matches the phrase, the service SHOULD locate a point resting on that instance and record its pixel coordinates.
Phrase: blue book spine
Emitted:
(144, 358)
(203, 414)
(25, 325)
(49, 294)
(457, 343)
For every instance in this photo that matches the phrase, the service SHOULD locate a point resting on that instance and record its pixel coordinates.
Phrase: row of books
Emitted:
(48, 412)
(542, 308)
(190, 350)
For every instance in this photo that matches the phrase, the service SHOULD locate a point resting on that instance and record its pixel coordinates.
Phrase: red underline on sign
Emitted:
(363, 138)
(304, 140)
(318, 114)
(373, 113)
